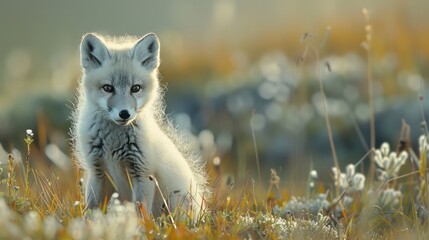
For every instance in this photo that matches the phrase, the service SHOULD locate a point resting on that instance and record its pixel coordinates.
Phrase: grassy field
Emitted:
(40, 205)
(383, 195)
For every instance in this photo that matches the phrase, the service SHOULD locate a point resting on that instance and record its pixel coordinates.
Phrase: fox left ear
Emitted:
(146, 51)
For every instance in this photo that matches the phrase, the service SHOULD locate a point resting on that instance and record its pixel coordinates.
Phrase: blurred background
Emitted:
(235, 75)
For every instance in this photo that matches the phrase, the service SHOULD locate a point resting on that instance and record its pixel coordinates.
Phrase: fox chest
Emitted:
(114, 144)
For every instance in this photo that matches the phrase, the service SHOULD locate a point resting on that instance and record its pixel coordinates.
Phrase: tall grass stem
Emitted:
(256, 149)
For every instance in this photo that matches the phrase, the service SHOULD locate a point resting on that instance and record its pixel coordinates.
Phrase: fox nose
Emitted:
(124, 114)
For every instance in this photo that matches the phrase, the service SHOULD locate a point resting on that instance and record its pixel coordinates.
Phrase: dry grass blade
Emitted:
(367, 44)
(152, 178)
(256, 149)
(309, 47)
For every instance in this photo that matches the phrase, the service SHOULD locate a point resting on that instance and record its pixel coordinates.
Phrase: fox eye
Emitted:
(135, 88)
(108, 88)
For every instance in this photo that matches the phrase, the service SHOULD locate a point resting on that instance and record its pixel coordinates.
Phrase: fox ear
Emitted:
(93, 52)
(146, 51)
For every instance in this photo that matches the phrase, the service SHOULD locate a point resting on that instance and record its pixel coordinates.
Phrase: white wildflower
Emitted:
(389, 163)
(115, 195)
(350, 170)
(50, 227)
(300, 207)
(350, 179)
(7, 218)
(423, 150)
(29, 132)
(423, 145)
(246, 220)
(385, 148)
(308, 229)
(274, 223)
(358, 181)
(312, 178)
(32, 222)
(216, 161)
(76, 228)
(390, 198)
(347, 201)
(313, 174)
(340, 178)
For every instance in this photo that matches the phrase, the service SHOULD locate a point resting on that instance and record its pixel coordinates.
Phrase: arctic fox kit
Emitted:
(119, 137)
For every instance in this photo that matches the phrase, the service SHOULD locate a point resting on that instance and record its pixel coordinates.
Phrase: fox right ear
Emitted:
(93, 52)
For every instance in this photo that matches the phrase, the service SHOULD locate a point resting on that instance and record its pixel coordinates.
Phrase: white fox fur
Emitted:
(120, 133)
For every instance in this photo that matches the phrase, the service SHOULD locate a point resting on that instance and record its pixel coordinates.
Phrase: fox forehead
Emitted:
(121, 70)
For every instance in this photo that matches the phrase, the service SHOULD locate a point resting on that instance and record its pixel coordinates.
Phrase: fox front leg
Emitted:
(144, 192)
(94, 191)
(142, 186)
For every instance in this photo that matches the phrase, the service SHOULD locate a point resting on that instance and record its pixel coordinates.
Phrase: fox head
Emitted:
(120, 79)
